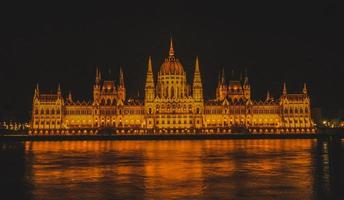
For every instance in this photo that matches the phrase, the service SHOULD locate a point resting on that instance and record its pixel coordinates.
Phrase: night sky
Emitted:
(53, 43)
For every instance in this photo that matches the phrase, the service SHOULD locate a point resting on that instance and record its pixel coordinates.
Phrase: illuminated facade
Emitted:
(171, 105)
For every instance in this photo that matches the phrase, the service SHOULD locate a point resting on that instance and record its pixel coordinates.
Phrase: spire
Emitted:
(171, 53)
(59, 90)
(36, 91)
(98, 76)
(149, 75)
(268, 96)
(197, 65)
(304, 88)
(197, 75)
(70, 99)
(121, 77)
(121, 88)
(149, 86)
(197, 83)
(223, 80)
(246, 83)
(150, 68)
(284, 88)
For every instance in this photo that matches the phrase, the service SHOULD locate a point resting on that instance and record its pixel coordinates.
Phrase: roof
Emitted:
(172, 66)
(48, 97)
(296, 97)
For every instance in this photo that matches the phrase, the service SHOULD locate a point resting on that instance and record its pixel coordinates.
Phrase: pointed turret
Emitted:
(304, 88)
(149, 75)
(221, 90)
(96, 86)
(59, 90)
(98, 76)
(149, 86)
(70, 98)
(121, 88)
(223, 79)
(246, 83)
(197, 83)
(268, 96)
(246, 86)
(36, 95)
(219, 79)
(121, 77)
(197, 76)
(171, 52)
(284, 89)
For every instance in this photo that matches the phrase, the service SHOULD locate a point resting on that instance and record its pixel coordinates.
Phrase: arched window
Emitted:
(36, 112)
(58, 112)
(47, 112)
(306, 110)
(172, 92)
(52, 112)
(197, 110)
(108, 102)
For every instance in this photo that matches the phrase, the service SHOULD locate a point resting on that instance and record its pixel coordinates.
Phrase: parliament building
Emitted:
(170, 106)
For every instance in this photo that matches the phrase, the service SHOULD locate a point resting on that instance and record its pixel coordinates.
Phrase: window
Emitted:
(108, 102)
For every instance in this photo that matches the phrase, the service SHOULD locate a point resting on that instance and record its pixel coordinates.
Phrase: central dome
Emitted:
(171, 65)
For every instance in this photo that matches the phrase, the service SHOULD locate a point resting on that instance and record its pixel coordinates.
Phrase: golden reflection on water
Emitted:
(205, 169)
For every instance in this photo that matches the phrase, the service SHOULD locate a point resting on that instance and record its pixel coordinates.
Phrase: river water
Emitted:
(189, 169)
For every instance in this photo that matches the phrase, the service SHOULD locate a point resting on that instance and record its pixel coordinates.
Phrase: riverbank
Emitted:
(171, 137)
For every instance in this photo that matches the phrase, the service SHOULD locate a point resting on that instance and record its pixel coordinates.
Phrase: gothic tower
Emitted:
(149, 87)
(284, 92)
(121, 86)
(304, 88)
(197, 83)
(221, 90)
(96, 87)
(247, 88)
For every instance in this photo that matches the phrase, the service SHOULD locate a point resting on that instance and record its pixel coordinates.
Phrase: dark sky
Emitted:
(62, 43)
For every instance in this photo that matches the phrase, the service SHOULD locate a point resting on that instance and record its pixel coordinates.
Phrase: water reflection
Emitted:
(207, 169)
